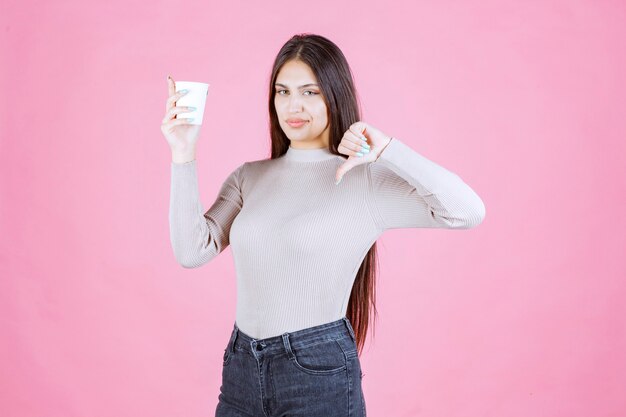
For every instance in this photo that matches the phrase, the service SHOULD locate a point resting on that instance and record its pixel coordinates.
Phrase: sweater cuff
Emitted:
(184, 164)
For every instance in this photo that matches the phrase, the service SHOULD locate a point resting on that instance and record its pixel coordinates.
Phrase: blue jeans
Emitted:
(309, 372)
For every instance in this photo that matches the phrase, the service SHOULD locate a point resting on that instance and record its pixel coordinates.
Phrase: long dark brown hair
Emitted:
(337, 88)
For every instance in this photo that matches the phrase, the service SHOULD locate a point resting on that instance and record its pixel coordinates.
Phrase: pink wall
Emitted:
(524, 100)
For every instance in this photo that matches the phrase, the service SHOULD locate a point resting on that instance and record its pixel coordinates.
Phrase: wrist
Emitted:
(382, 149)
(183, 157)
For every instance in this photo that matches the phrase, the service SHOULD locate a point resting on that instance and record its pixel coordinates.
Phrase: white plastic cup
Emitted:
(196, 97)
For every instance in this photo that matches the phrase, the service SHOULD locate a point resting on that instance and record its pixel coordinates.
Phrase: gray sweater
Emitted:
(298, 239)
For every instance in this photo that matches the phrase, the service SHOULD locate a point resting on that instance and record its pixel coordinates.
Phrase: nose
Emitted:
(295, 104)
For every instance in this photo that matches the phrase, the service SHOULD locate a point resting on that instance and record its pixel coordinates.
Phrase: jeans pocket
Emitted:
(323, 358)
(228, 354)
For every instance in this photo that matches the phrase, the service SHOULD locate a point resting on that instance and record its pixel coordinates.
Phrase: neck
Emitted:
(308, 155)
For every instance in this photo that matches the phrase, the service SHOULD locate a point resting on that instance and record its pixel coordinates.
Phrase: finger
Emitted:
(347, 148)
(176, 96)
(176, 110)
(353, 146)
(175, 122)
(171, 101)
(359, 152)
(171, 90)
(171, 86)
(358, 132)
(183, 121)
(355, 140)
(344, 168)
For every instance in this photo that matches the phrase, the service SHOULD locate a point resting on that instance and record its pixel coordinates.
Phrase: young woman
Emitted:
(303, 226)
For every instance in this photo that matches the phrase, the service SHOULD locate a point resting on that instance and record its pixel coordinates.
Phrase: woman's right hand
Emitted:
(181, 135)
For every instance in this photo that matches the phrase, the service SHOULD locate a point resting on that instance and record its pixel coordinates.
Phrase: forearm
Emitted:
(451, 202)
(189, 233)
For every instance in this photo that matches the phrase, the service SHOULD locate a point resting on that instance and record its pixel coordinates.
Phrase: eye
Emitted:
(313, 93)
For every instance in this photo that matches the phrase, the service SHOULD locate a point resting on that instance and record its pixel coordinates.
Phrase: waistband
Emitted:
(333, 330)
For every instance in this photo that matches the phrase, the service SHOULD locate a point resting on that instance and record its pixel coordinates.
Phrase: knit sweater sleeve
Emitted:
(410, 191)
(197, 236)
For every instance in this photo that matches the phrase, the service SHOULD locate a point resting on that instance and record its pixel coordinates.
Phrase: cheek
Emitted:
(280, 102)
(319, 112)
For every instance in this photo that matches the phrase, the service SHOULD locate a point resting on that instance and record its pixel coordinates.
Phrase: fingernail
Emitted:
(338, 181)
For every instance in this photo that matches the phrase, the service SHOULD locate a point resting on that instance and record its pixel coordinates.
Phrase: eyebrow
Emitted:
(302, 86)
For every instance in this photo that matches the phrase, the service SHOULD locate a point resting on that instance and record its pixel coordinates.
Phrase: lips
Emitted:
(296, 122)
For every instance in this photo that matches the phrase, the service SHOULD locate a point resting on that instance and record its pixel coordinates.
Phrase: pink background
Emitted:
(522, 316)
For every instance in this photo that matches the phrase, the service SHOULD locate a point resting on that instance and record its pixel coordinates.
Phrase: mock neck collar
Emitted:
(308, 155)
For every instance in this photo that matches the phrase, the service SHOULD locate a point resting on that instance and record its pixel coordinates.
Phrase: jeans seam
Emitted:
(348, 371)
(304, 369)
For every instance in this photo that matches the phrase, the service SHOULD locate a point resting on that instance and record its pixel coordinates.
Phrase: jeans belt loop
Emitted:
(349, 326)
(234, 338)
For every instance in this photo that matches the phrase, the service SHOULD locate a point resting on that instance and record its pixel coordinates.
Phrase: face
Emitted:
(298, 96)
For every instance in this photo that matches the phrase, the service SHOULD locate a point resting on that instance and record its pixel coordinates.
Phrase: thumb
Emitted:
(343, 169)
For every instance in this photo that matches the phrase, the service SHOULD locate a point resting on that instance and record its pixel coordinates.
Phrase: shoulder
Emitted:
(251, 171)
(257, 165)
